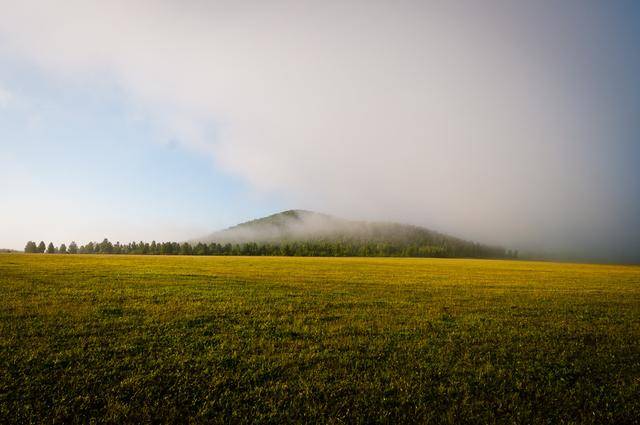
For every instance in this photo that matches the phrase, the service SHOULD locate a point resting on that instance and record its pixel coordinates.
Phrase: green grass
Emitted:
(252, 339)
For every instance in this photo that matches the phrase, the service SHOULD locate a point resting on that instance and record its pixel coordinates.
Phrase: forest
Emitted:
(316, 248)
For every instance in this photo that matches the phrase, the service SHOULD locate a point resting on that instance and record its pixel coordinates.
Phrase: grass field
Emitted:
(263, 339)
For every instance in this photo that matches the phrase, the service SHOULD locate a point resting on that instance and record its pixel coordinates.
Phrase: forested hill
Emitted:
(310, 233)
(300, 233)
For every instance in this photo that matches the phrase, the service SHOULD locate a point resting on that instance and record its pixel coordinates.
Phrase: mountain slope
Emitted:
(378, 238)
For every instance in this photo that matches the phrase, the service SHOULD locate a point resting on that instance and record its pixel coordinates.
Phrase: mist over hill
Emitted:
(324, 234)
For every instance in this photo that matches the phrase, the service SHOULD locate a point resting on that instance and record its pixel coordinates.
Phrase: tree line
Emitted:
(41, 248)
(293, 248)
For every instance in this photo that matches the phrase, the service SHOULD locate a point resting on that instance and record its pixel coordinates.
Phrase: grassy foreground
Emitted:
(264, 339)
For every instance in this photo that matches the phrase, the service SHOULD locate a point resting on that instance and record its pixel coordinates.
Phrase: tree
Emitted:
(63, 249)
(201, 249)
(41, 247)
(51, 249)
(105, 247)
(185, 249)
(31, 247)
(73, 248)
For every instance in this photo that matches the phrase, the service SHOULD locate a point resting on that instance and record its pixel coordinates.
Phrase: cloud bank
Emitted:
(487, 120)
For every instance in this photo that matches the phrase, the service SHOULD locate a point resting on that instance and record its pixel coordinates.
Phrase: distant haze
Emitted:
(502, 122)
(305, 226)
(282, 227)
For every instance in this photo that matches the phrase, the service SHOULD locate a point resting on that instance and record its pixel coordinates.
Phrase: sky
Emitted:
(511, 123)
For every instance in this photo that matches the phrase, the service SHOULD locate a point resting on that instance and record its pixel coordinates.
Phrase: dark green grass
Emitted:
(231, 339)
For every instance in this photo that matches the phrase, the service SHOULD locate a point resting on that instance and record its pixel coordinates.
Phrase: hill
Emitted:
(328, 235)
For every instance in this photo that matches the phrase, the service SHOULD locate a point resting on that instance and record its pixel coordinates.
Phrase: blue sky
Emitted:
(502, 122)
(80, 148)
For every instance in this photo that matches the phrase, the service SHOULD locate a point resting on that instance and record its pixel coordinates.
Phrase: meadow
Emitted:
(121, 339)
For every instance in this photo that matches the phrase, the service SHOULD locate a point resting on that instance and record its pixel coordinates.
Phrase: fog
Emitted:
(493, 121)
(291, 225)
(302, 225)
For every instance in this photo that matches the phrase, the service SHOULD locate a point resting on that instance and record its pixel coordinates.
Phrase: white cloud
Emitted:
(444, 115)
